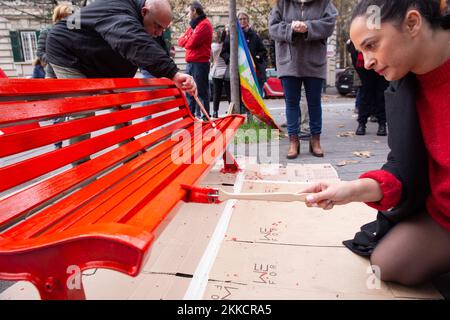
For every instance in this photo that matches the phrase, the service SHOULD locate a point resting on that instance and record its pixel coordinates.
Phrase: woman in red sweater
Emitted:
(410, 46)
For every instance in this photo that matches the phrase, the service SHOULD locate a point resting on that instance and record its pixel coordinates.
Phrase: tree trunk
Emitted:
(234, 73)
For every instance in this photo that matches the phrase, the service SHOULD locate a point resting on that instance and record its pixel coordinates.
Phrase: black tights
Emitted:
(413, 252)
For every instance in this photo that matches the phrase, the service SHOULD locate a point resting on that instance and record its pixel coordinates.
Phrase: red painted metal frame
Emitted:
(111, 220)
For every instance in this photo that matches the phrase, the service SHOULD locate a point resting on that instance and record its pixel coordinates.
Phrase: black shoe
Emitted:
(382, 130)
(215, 115)
(361, 130)
(304, 135)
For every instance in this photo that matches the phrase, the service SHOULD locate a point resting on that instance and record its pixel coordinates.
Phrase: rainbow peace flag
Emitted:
(251, 93)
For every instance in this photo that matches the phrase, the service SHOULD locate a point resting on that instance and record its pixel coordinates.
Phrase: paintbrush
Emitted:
(204, 111)
(215, 195)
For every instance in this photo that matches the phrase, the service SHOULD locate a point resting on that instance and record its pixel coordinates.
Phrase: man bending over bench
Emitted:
(112, 39)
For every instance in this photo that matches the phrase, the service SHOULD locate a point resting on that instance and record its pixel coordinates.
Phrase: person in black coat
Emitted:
(371, 94)
(112, 39)
(255, 46)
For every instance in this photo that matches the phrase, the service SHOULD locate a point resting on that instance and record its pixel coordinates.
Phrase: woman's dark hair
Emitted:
(197, 6)
(433, 11)
(223, 35)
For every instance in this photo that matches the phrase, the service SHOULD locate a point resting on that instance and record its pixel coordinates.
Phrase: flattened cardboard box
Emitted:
(294, 223)
(301, 261)
(268, 271)
(291, 173)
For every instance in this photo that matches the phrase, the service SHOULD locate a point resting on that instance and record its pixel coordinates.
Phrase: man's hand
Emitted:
(186, 83)
(299, 27)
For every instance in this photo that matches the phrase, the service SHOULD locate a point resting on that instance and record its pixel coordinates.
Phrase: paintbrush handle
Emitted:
(204, 111)
(275, 196)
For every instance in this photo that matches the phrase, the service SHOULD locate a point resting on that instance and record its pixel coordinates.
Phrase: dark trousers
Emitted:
(199, 71)
(372, 96)
(292, 87)
(218, 86)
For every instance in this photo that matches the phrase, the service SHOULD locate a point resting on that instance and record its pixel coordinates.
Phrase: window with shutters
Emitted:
(24, 45)
(29, 45)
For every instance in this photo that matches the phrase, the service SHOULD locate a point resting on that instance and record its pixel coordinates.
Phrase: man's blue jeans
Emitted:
(292, 87)
(200, 72)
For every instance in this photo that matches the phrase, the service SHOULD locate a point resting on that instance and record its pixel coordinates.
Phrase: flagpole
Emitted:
(234, 74)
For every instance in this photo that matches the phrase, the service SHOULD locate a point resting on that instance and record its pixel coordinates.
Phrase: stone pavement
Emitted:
(338, 139)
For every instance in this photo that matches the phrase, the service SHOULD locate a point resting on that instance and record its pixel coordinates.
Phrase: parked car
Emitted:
(344, 81)
(272, 87)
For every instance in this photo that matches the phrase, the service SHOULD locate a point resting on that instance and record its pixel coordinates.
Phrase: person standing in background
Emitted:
(300, 29)
(220, 72)
(38, 69)
(197, 41)
(370, 98)
(60, 12)
(255, 46)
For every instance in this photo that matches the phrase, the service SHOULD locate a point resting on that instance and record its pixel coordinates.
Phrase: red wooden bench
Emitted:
(57, 219)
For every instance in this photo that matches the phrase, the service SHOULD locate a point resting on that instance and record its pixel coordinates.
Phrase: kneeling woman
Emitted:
(410, 243)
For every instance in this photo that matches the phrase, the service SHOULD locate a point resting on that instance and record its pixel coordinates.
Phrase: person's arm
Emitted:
(126, 35)
(40, 51)
(201, 34)
(380, 189)
(322, 28)
(185, 37)
(261, 50)
(279, 29)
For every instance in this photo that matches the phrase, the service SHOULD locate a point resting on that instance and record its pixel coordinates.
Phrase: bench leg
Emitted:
(229, 163)
(60, 289)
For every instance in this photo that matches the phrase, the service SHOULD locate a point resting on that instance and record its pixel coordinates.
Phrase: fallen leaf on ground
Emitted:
(377, 141)
(346, 162)
(341, 126)
(363, 154)
(346, 134)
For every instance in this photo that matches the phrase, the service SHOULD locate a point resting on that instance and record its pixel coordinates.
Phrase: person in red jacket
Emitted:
(197, 42)
(410, 47)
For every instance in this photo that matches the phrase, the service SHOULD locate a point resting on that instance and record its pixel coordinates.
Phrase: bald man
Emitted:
(113, 40)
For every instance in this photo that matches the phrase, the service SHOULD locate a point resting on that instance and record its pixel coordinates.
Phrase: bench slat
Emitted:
(143, 192)
(115, 200)
(26, 87)
(34, 138)
(164, 201)
(16, 205)
(21, 172)
(46, 109)
(101, 213)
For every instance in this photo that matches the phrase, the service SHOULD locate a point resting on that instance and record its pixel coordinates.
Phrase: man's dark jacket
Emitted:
(111, 43)
(407, 160)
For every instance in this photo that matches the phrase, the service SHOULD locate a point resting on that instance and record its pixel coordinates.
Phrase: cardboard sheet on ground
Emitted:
(294, 223)
(270, 250)
(268, 271)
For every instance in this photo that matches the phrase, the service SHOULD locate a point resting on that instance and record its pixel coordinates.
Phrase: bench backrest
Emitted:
(28, 109)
